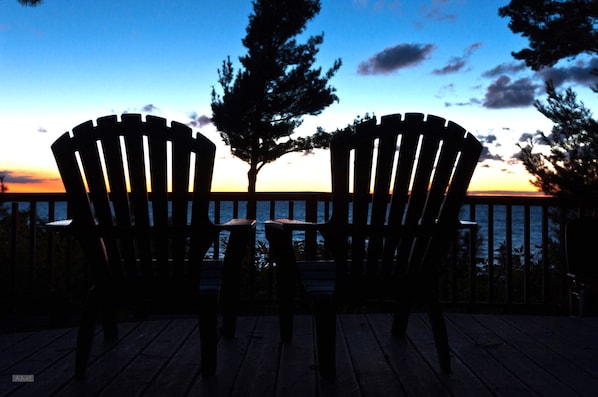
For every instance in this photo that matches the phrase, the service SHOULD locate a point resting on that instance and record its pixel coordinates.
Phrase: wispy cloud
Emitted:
(394, 58)
(378, 5)
(437, 11)
(21, 178)
(472, 101)
(458, 63)
(454, 65)
(508, 68)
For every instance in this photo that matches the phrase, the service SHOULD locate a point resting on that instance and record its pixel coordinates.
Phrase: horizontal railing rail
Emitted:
(512, 260)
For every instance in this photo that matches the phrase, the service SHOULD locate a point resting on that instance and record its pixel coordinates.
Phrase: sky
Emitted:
(65, 62)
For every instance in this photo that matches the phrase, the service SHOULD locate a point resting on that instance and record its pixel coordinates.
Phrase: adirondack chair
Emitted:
(139, 192)
(397, 188)
(581, 236)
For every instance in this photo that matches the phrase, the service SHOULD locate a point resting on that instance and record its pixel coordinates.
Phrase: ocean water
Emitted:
(282, 209)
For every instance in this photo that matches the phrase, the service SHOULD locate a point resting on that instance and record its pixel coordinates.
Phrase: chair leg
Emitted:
(229, 324)
(286, 288)
(86, 332)
(208, 332)
(400, 318)
(107, 311)
(440, 337)
(231, 282)
(229, 299)
(286, 322)
(325, 318)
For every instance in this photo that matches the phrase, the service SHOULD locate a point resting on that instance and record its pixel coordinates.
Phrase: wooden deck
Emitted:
(505, 355)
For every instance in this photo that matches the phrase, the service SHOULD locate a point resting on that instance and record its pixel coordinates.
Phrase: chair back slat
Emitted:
(202, 181)
(180, 199)
(387, 144)
(409, 177)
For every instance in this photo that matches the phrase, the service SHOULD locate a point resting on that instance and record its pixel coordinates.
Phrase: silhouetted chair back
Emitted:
(138, 191)
(397, 188)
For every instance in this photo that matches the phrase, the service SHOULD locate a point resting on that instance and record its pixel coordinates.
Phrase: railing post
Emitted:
(527, 255)
(14, 214)
(490, 254)
(545, 259)
(311, 215)
(473, 266)
(33, 247)
(509, 255)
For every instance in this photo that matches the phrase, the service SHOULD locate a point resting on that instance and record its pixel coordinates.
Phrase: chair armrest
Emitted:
(238, 240)
(467, 224)
(62, 225)
(279, 234)
(237, 224)
(290, 225)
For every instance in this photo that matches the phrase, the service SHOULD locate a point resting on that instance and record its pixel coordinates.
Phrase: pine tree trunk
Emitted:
(251, 199)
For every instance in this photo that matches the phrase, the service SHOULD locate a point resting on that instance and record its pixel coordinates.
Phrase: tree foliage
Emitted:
(556, 29)
(566, 162)
(569, 166)
(263, 103)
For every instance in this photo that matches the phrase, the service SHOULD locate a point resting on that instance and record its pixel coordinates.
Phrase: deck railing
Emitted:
(513, 260)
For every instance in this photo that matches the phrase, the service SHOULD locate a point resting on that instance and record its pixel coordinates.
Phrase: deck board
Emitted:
(507, 355)
(491, 372)
(297, 362)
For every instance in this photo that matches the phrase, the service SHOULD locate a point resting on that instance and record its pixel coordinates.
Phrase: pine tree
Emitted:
(566, 164)
(264, 102)
(569, 168)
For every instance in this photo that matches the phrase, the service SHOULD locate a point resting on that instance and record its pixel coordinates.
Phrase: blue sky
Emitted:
(66, 62)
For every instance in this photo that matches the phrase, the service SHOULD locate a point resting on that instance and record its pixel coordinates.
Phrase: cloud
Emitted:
(42, 130)
(473, 47)
(437, 11)
(198, 121)
(472, 101)
(149, 108)
(454, 65)
(505, 68)
(448, 89)
(21, 178)
(378, 5)
(395, 58)
(580, 73)
(526, 136)
(506, 94)
(486, 155)
(457, 63)
(490, 138)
